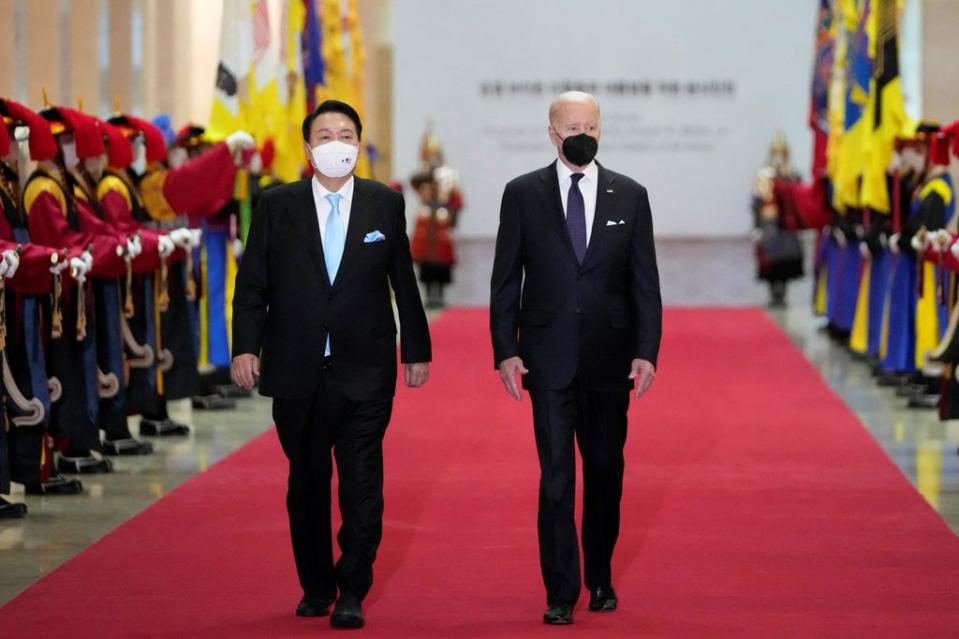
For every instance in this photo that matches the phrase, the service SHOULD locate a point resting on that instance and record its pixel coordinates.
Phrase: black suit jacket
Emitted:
(284, 305)
(565, 319)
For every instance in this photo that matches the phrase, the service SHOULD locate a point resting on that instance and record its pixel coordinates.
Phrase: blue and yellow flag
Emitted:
(886, 116)
(858, 68)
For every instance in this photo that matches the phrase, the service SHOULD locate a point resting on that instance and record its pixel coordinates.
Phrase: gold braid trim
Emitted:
(56, 318)
(3, 315)
(190, 280)
(163, 297)
(81, 312)
(128, 309)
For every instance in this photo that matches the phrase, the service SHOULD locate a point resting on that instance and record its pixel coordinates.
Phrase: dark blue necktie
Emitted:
(576, 217)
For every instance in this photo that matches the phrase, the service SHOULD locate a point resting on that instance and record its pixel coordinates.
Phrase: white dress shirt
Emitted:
(587, 186)
(323, 206)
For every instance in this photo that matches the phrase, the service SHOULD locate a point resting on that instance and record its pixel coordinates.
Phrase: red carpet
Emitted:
(756, 505)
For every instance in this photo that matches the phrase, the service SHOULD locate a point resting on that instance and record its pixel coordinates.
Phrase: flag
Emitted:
(886, 116)
(821, 79)
(232, 95)
(311, 44)
(344, 56)
(835, 111)
(290, 160)
(266, 113)
(858, 67)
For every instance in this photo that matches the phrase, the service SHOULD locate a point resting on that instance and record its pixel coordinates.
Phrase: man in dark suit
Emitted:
(312, 318)
(575, 309)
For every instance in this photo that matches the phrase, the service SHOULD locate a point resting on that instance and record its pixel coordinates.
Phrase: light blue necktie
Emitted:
(333, 243)
(335, 236)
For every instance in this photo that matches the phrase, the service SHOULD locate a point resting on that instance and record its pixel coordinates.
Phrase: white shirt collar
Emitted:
(590, 171)
(346, 191)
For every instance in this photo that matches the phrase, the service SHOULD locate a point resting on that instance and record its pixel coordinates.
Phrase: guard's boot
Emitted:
(9, 510)
(213, 402)
(926, 400)
(126, 446)
(163, 428)
(88, 465)
(56, 485)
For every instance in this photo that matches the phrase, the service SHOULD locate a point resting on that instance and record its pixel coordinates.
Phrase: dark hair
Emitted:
(332, 106)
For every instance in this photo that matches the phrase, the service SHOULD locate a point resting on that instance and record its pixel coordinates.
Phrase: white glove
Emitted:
(196, 235)
(894, 243)
(9, 264)
(58, 263)
(181, 237)
(955, 250)
(237, 247)
(134, 247)
(80, 266)
(939, 240)
(917, 245)
(165, 246)
(239, 141)
(864, 249)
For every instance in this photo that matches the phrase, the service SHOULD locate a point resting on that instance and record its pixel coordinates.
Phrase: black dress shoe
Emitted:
(126, 446)
(602, 599)
(213, 402)
(561, 615)
(9, 510)
(163, 428)
(313, 607)
(56, 485)
(347, 613)
(84, 465)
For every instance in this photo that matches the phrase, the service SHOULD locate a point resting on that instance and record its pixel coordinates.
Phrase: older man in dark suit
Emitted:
(575, 310)
(312, 317)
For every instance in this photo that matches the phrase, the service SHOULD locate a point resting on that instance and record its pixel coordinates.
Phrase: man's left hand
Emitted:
(643, 372)
(416, 374)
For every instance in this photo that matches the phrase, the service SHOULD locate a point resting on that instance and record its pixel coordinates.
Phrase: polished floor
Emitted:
(693, 273)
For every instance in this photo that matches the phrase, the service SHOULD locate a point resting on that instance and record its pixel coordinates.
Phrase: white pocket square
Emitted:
(374, 236)
(610, 223)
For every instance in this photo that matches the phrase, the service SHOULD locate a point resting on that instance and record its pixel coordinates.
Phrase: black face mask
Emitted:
(580, 149)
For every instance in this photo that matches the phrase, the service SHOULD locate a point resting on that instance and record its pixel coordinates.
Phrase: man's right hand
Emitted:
(507, 374)
(244, 369)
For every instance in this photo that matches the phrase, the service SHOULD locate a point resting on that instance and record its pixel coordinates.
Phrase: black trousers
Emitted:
(308, 429)
(597, 419)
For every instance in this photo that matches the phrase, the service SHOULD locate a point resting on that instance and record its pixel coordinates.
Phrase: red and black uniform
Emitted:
(53, 220)
(26, 457)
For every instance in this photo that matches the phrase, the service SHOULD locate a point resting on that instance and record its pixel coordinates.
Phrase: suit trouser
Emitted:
(597, 419)
(308, 429)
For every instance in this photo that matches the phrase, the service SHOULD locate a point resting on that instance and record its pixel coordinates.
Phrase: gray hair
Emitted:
(571, 96)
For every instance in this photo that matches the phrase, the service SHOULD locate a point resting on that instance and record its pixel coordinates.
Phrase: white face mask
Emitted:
(334, 159)
(70, 159)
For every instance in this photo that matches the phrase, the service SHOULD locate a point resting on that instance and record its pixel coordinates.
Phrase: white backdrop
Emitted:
(691, 93)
